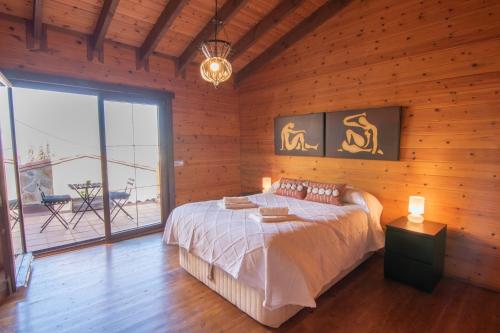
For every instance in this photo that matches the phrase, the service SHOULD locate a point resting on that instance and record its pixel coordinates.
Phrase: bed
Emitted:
(272, 270)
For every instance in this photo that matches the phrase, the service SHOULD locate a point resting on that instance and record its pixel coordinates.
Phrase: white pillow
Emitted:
(371, 206)
(274, 187)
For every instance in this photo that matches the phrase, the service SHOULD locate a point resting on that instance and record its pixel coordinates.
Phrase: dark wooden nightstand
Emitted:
(414, 252)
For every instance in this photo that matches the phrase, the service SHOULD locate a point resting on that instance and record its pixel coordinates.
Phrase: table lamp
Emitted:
(266, 184)
(416, 206)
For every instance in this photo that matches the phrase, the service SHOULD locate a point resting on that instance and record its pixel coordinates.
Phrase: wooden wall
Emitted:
(206, 120)
(440, 60)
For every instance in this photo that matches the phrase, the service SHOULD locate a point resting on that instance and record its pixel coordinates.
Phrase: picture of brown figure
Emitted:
(355, 142)
(292, 139)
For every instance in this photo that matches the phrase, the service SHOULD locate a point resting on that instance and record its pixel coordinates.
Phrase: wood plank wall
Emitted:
(438, 59)
(206, 120)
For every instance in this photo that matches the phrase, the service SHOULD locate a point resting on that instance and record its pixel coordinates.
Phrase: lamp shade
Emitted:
(266, 183)
(416, 205)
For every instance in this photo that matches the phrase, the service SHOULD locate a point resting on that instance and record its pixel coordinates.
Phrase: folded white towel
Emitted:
(235, 200)
(273, 211)
(271, 219)
(245, 205)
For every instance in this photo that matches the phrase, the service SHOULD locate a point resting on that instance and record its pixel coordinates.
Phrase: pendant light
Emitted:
(216, 68)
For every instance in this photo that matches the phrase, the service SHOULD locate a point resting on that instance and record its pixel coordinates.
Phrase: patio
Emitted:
(90, 226)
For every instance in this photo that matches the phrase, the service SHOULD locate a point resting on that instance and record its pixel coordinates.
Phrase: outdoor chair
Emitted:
(14, 212)
(54, 203)
(119, 199)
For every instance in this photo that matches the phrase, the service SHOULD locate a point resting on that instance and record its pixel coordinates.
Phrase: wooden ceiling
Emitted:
(172, 27)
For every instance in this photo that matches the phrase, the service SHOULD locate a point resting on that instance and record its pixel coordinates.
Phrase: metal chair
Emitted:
(54, 203)
(119, 199)
(14, 212)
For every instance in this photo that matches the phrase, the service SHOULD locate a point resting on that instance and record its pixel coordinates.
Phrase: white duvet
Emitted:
(289, 261)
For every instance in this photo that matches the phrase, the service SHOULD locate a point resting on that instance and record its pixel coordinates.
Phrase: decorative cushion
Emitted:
(294, 188)
(56, 199)
(119, 195)
(325, 193)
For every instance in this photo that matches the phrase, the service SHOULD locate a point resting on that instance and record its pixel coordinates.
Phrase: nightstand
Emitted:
(414, 252)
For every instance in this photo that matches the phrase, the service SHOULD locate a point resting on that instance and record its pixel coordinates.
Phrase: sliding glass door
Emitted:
(133, 164)
(57, 140)
(15, 213)
(85, 161)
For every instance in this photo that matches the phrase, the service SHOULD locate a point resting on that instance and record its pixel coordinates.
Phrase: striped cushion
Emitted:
(294, 188)
(325, 193)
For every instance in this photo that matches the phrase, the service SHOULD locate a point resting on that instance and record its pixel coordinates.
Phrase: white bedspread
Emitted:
(290, 261)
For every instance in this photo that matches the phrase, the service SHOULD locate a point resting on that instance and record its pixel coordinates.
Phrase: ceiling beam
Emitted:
(230, 8)
(75, 33)
(96, 40)
(165, 20)
(35, 29)
(323, 13)
(37, 20)
(264, 25)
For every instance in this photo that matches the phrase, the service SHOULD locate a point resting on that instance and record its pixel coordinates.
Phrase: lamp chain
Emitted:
(216, 26)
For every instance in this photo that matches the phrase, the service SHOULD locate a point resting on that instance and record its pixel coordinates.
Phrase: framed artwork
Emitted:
(371, 134)
(301, 135)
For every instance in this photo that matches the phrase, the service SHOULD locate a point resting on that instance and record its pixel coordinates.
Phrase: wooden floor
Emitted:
(138, 286)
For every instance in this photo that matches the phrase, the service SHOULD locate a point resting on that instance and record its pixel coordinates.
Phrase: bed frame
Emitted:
(247, 299)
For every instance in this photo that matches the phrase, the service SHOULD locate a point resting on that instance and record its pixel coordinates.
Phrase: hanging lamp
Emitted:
(216, 68)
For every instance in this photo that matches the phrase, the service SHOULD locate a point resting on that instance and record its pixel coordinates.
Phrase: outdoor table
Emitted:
(88, 192)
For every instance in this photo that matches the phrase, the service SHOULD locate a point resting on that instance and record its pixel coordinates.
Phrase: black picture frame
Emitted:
(300, 135)
(372, 134)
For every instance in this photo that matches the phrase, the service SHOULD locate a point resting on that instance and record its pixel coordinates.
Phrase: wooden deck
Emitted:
(90, 227)
(138, 286)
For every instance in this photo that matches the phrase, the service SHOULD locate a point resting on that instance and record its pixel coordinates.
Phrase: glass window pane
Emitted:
(119, 124)
(133, 164)
(145, 119)
(148, 200)
(147, 166)
(58, 146)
